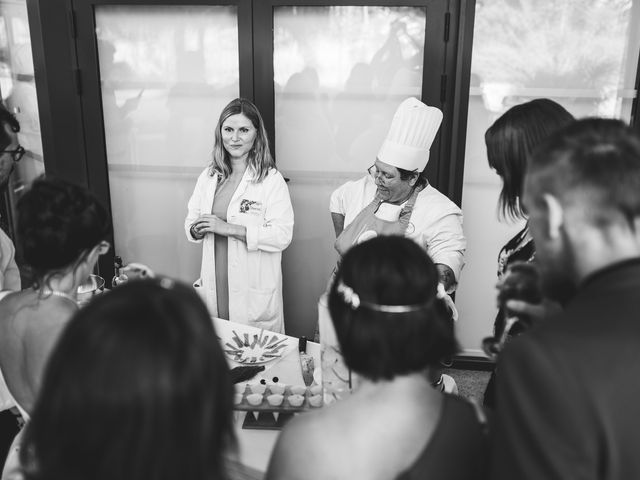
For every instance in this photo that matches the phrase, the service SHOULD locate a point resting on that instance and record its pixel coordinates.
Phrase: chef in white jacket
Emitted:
(396, 199)
(241, 211)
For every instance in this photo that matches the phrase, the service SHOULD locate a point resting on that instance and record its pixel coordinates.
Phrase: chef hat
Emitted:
(413, 128)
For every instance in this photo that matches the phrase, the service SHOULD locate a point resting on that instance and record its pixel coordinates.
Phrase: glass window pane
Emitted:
(18, 87)
(340, 72)
(166, 73)
(582, 54)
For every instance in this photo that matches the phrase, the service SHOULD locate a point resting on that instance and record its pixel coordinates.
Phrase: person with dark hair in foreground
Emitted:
(510, 140)
(137, 388)
(567, 393)
(392, 327)
(64, 230)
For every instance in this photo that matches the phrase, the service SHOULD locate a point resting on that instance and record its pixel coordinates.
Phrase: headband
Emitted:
(352, 299)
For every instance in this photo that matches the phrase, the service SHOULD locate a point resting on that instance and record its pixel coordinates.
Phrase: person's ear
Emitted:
(555, 215)
(103, 247)
(97, 251)
(414, 179)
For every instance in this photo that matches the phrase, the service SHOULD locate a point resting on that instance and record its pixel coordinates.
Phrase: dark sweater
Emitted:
(568, 393)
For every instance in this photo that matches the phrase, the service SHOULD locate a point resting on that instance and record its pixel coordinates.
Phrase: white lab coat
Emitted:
(255, 271)
(435, 223)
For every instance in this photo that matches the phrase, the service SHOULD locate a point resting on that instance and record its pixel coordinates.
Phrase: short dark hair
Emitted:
(595, 162)
(7, 118)
(137, 388)
(390, 270)
(58, 223)
(510, 141)
(406, 175)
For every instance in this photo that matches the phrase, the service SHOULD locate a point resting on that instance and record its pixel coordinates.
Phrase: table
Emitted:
(255, 446)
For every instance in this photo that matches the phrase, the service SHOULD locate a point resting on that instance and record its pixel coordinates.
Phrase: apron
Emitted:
(367, 225)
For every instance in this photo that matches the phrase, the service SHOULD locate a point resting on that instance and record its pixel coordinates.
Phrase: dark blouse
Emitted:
(459, 447)
(519, 248)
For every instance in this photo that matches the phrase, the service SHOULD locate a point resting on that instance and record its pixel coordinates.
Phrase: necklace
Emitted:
(58, 293)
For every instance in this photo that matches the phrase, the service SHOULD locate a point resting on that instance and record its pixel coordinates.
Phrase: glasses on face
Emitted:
(375, 174)
(17, 154)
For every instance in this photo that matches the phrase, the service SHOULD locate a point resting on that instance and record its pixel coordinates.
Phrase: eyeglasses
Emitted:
(375, 173)
(17, 154)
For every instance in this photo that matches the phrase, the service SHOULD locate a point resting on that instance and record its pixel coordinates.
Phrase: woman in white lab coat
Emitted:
(241, 212)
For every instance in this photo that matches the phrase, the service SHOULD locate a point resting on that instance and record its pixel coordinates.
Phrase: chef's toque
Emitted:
(413, 128)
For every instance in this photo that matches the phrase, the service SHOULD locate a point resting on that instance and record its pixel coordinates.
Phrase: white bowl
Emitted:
(295, 400)
(254, 398)
(316, 390)
(275, 399)
(315, 400)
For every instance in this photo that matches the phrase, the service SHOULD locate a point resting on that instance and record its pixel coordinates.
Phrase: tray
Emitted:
(264, 406)
(270, 417)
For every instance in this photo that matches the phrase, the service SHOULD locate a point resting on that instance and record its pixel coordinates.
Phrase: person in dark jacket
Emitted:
(567, 390)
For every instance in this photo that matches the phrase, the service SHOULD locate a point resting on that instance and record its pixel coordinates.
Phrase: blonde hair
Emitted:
(259, 160)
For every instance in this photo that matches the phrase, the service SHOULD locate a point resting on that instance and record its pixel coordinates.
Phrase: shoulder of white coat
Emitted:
(274, 175)
(205, 176)
(431, 196)
(274, 180)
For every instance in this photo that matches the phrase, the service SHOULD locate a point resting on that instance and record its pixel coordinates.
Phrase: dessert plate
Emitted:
(255, 349)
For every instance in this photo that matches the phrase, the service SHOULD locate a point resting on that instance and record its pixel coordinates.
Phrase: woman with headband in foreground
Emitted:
(392, 326)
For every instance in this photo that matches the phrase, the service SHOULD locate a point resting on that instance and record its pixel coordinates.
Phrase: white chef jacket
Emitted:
(435, 223)
(255, 272)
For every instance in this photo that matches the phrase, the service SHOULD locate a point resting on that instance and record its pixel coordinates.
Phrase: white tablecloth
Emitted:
(255, 446)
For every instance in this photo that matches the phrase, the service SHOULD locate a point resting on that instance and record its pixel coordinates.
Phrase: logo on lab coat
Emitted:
(250, 206)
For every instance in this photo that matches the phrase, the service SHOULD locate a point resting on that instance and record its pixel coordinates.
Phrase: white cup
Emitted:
(388, 212)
